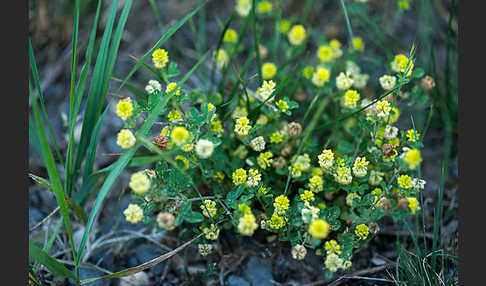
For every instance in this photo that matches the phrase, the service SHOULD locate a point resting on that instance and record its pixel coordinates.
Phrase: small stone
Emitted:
(234, 280)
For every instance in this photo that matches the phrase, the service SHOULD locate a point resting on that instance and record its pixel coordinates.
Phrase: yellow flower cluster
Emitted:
(264, 160)
(297, 35)
(413, 158)
(264, 7)
(321, 76)
(319, 229)
(242, 126)
(125, 139)
(179, 135)
(316, 184)
(160, 58)
(276, 221)
(405, 181)
(358, 44)
(211, 207)
(281, 204)
(412, 135)
(307, 196)
(413, 205)
(230, 36)
(362, 231)
(171, 87)
(343, 175)
(266, 90)
(133, 213)
(139, 183)
(276, 137)
(268, 70)
(211, 233)
(247, 224)
(326, 159)
(124, 109)
(254, 177)
(174, 115)
(332, 246)
(350, 99)
(239, 176)
(400, 63)
(360, 167)
(282, 105)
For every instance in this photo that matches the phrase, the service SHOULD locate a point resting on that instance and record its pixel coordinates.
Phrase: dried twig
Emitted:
(45, 219)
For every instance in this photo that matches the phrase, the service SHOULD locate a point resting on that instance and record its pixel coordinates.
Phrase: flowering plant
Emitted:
(311, 155)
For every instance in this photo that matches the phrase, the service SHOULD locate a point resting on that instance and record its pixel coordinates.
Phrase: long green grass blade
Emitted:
(51, 168)
(52, 264)
(35, 75)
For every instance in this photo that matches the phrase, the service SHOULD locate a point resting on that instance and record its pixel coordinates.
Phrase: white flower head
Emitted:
(258, 144)
(153, 86)
(204, 148)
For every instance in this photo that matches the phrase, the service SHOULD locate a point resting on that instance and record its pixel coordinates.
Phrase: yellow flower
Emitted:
(360, 167)
(217, 126)
(308, 71)
(358, 44)
(276, 137)
(179, 135)
(219, 176)
(324, 53)
(211, 207)
(243, 7)
(170, 87)
(264, 7)
(124, 109)
(319, 229)
(284, 26)
(413, 205)
(165, 131)
(321, 76)
(268, 70)
(335, 44)
(403, 5)
(332, 247)
(276, 221)
(267, 89)
(307, 196)
(400, 63)
(211, 233)
(281, 204)
(139, 183)
(230, 36)
(350, 198)
(221, 57)
(174, 115)
(282, 105)
(125, 139)
(133, 213)
(405, 181)
(362, 231)
(254, 177)
(412, 158)
(350, 98)
(394, 114)
(297, 35)
(412, 135)
(264, 160)
(247, 224)
(316, 184)
(242, 126)
(383, 107)
(343, 175)
(326, 159)
(239, 176)
(160, 58)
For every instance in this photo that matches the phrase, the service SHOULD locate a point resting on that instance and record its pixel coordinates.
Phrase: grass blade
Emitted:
(52, 264)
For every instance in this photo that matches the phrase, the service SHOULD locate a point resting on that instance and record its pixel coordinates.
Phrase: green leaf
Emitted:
(185, 208)
(233, 195)
(345, 147)
(56, 268)
(194, 217)
(418, 73)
